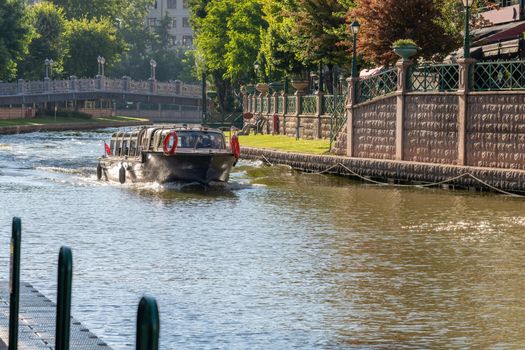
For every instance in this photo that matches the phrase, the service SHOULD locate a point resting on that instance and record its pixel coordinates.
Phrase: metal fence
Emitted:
(377, 85)
(308, 105)
(48, 86)
(493, 76)
(148, 322)
(291, 104)
(433, 77)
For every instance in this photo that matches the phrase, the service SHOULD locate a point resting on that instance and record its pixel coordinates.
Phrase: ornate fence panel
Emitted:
(291, 104)
(34, 87)
(280, 104)
(8, 88)
(308, 105)
(113, 85)
(257, 104)
(377, 85)
(264, 105)
(433, 77)
(60, 86)
(489, 76)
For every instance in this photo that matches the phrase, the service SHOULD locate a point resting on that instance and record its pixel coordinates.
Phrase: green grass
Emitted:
(68, 120)
(285, 143)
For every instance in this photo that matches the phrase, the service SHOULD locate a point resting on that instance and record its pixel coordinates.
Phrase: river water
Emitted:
(275, 260)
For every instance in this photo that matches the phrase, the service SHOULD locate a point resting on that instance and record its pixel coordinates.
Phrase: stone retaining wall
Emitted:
(374, 129)
(496, 131)
(431, 129)
(398, 171)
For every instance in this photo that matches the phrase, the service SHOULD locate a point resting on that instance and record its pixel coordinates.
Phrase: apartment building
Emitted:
(179, 14)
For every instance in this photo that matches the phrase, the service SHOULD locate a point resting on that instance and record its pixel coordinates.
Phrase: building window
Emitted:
(152, 22)
(173, 23)
(172, 40)
(172, 4)
(187, 40)
(185, 22)
(185, 4)
(155, 5)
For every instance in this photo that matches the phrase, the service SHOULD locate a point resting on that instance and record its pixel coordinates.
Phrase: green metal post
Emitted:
(466, 43)
(148, 324)
(14, 283)
(204, 101)
(63, 318)
(354, 58)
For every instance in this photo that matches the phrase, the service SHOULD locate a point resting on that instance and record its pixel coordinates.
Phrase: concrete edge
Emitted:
(401, 172)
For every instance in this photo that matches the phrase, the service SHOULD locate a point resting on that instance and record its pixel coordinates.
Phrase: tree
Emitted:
(86, 40)
(15, 37)
(317, 32)
(90, 9)
(49, 25)
(384, 21)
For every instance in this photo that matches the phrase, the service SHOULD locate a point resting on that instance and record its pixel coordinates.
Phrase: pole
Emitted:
(466, 43)
(204, 102)
(354, 58)
(148, 324)
(14, 286)
(63, 318)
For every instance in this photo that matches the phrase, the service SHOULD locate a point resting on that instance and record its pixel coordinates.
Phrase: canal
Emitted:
(276, 260)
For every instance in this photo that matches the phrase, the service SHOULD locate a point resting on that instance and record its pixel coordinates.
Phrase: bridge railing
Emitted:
(125, 85)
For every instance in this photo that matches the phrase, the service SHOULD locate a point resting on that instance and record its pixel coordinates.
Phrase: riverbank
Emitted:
(397, 173)
(19, 126)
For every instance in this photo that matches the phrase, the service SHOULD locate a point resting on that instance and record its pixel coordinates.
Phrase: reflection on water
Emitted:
(275, 259)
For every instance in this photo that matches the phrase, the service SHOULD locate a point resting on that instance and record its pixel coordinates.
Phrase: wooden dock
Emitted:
(37, 322)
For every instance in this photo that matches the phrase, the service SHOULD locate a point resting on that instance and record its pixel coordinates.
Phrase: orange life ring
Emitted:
(235, 146)
(166, 146)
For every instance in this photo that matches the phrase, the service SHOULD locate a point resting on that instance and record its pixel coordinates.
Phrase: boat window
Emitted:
(124, 150)
(132, 147)
(189, 139)
(112, 146)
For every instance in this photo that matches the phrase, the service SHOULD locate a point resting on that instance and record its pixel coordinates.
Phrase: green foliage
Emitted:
(384, 21)
(404, 42)
(317, 31)
(48, 42)
(14, 38)
(90, 9)
(86, 40)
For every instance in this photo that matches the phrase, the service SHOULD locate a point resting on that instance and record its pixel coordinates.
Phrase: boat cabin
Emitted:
(151, 139)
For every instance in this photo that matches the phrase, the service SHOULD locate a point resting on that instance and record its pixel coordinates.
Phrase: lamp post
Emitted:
(47, 63)
(153, 64)
(99, 60)
(355, 29)
(102, 63)
(256, 67)
(466, 42)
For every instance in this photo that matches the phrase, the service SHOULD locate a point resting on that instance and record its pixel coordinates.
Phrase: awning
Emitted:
(497, 33)
(489, 51)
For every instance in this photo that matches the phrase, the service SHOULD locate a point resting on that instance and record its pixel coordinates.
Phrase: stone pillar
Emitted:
(152, 85)
(100, 82)
(402, 73)
(298, 108)
(319, 112)
(125, 83)
(47, 83)
(284, 96)
(351, 101)
(21, 86)
(73, 83)
(463, 92)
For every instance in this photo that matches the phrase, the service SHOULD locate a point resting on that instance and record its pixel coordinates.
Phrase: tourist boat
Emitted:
(163, 153)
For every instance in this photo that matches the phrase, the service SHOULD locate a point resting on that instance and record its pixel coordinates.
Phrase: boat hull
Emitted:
(202, 167)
